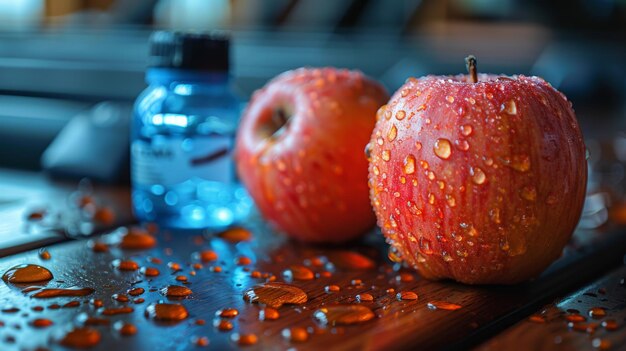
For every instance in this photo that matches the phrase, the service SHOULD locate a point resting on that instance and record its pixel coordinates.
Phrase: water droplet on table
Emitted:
(27, 273)
(343, 315)
(275, 294)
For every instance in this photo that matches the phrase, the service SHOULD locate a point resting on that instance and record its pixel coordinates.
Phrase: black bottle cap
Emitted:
(202, 51)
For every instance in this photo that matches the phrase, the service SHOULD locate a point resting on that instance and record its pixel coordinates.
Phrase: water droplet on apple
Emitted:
(376, 170)
(517, 245)
(494, 214)
(450, 200)
(446, 257)
(418, 145)
(520, 163)
(529, 193)
(450, 98)
(471, 101)
(425, 246)
(509, 107)
(466, 129)
(472, 231)
(368, 152)
(431, 175)
(409, 164)
(381, 112)
(385, 155)
(400, 115)
(478, 176)
(462, 145)
(442, 148)
(393, 132)
(380, 141)
(404, 92)
(462, 253)
(431, 199)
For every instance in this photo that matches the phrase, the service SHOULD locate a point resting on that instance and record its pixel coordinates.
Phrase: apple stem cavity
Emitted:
(470, 64)
(279, 119)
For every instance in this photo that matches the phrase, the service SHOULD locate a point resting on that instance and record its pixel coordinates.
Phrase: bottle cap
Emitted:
(202, 51)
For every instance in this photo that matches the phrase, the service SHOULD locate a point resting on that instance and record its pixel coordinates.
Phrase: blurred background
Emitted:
(60, 58)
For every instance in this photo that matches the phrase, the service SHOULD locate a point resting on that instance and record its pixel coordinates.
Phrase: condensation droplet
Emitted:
(385, 155)
(450, 200)
(462, 145)
(425, 246)
(368, 151)
(442, 148)
(409, 164)
(520, 163)
(529, 193)
(466, 130)
(478, 176)
(509, 107)
(393, 132)
(400, 115)
(462, 253)
(494, 214)
(450, 98)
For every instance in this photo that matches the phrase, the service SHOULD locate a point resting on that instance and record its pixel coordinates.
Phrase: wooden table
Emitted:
(485, 311)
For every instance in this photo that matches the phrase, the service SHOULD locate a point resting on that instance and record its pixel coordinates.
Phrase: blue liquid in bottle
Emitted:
(183, 131)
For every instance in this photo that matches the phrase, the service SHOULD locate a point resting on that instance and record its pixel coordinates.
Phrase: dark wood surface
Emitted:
(485, 310)
(548, 329)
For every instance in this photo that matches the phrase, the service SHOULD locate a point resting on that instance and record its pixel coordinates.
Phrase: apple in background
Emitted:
(299, 152)
(477, 178)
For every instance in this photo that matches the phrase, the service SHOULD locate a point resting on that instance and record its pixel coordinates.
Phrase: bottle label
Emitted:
(170, 161)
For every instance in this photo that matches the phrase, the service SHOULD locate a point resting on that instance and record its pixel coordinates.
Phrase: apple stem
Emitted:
(470, 64)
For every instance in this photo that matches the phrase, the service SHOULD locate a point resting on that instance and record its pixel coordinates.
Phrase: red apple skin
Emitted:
(311, 180)
(502, 205)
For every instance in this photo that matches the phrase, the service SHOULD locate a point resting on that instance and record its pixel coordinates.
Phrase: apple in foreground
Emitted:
(299, 152)
(478, 178)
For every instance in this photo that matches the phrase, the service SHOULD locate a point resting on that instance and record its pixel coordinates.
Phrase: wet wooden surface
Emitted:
(551, 327)
(484, 312)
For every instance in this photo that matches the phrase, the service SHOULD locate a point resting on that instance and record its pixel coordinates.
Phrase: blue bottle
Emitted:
(183, 130)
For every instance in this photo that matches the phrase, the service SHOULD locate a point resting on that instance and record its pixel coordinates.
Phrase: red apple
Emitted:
(300, 148)
(479, 181)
